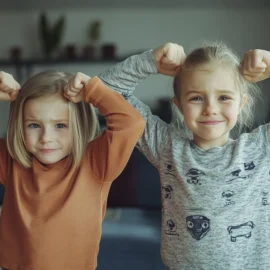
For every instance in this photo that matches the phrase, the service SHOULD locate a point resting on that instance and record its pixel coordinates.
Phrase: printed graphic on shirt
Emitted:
(168, 191)
(171, 228)
(238, 173)
(171, 170)
(265, 198)
(228, 197)
(198, 226)
(242, 230)
(249, 166)
(194, 176)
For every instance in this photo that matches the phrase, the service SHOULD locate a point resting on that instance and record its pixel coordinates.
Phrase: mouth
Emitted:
(47, 151)
(210, 122)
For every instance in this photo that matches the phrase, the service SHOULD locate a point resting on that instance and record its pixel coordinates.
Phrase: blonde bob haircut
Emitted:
(218, 54)
(82, 117)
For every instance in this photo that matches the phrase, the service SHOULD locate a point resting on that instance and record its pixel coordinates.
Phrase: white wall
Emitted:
(140, 29)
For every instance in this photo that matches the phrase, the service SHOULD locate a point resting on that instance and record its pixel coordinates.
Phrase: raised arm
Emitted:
(109, 153)
(256, 67)
(125, 76)
(9, 89)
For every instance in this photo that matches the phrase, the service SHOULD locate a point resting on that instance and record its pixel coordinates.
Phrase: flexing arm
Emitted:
(124, 78)
(109, 152)
(9, 89)
(256, 67)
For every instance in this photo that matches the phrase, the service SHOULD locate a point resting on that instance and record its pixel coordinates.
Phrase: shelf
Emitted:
(31, 62)
(25, 66)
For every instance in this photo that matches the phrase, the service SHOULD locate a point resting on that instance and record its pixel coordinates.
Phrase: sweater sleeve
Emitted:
(4, 157)
(110, 152)
(262, 138)
(123, 78)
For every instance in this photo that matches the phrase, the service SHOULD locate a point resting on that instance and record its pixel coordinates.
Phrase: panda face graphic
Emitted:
(227, 194)
(194, 176)
(198, 226)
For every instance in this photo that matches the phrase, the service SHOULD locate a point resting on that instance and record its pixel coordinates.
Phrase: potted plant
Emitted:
(94, 34)
(50, 36)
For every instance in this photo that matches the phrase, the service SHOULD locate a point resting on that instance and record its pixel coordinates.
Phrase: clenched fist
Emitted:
(256, 65)
(169, 58)
(73, 89)
(9, 87)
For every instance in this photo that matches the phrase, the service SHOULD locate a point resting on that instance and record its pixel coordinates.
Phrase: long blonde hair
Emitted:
(82, 117)
(219, 54)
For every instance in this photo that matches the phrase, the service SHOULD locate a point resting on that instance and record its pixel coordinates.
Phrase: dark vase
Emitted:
(15, 53)
(108, 51)
(89, 52)
(70, 51)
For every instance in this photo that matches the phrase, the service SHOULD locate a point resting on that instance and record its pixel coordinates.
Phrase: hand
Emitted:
(73, 89)
(256, 65)
(9, 88)
(169, 58)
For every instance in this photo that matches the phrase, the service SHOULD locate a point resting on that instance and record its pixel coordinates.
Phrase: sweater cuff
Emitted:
(152, 61)
(95, 91)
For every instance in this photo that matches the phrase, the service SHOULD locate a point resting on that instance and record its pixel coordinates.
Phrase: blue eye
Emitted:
(224, 98)
(33, 125)
(61, 125)
(196, 99)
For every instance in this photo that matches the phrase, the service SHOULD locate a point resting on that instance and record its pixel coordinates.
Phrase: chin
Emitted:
(48, 161)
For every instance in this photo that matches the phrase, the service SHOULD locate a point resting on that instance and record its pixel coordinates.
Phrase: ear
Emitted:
(177, 103)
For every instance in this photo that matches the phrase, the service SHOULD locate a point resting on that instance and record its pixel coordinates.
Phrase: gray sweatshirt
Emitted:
(216, 202)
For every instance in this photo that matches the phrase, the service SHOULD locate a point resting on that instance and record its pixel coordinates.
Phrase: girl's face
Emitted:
(46, 128)
(210, 103)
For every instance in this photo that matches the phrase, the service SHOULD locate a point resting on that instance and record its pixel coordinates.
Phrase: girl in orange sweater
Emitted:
(56, 175)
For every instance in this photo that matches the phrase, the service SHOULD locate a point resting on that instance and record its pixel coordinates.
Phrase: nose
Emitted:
(210, 108)
(46, 136)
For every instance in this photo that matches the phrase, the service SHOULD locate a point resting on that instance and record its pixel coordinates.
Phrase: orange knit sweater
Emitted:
(51, 216)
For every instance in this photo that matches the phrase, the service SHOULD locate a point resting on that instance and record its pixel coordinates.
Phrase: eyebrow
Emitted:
(54, 120)
(228, 92)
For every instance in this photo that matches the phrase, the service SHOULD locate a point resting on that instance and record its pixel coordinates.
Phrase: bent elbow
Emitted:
(140, 124)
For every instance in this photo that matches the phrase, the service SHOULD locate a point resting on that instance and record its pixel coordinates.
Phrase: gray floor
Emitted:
(131, 242)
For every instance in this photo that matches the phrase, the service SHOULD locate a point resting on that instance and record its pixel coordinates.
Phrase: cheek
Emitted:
(190, 111)
(68, 138)
(232, 112)
(30, 138)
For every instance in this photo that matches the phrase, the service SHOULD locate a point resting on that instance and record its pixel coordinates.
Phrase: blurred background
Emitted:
(90, 37)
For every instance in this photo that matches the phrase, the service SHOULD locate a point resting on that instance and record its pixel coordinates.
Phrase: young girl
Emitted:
(215, 190)
(57, 178)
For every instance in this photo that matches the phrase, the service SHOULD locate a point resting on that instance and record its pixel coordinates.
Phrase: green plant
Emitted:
(94, 31)
(50, 35)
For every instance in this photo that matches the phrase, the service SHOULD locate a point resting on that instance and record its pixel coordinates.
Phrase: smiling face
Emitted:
(210, 103)
(46, 128)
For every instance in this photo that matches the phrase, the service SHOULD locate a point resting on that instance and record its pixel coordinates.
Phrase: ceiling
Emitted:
(17, 5)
